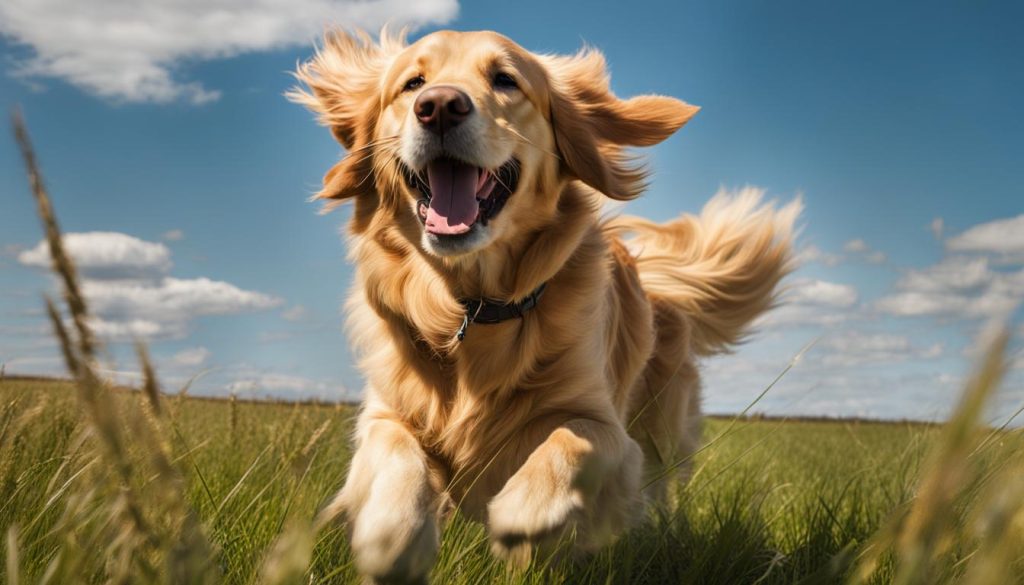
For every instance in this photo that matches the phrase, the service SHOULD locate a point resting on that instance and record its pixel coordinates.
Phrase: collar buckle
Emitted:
(491, 311)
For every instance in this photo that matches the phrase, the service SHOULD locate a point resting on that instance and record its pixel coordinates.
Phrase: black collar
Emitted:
(490, 311)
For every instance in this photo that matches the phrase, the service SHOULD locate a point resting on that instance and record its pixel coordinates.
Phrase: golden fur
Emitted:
(556, 421)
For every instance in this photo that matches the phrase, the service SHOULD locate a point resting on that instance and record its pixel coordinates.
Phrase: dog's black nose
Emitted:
(442, 108)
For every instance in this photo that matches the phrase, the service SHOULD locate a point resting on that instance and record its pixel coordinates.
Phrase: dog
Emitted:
(527, 362)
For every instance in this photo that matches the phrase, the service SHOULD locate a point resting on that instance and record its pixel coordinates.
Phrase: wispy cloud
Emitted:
(955, 287)
(45, 365)
(165, 307)
(813, 253)
(860, 249)
(284, 385)
(295, 313)
(1002, 236)
(820, 292)
(126, 283)
(857, 347)
(191, 357)
(866, 382)
(855, 249)
(855, 246)
(173, 236)
(106, 255)
(129, 328)
(129, 51)
(812, 302)
(876, 257)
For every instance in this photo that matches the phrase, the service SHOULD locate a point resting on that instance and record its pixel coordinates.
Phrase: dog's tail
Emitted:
(721, 269)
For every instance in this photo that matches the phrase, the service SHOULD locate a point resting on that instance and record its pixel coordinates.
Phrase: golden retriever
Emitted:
(477, 170)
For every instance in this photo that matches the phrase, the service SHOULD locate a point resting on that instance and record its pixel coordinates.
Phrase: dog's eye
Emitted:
(414, 83)
(505, 81)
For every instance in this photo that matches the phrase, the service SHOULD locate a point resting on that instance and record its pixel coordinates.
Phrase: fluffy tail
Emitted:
(721, 268)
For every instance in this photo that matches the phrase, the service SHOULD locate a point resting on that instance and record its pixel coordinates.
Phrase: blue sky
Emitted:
(899, 125)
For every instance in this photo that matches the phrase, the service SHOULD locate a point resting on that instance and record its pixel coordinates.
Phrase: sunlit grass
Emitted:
(772, 514)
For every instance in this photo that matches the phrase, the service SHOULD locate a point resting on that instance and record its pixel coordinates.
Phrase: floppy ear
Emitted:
(592, 125)
(342, 86)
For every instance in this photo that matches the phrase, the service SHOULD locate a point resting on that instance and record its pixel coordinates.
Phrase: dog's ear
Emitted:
(591, 125)
(342, 86)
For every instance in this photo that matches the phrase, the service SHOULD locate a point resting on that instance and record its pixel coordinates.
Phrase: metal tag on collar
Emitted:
(467, 319)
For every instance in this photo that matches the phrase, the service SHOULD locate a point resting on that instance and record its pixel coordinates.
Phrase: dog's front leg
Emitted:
(391, 507)
(582, 480)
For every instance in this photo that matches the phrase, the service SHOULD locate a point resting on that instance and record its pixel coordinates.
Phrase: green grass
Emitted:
(769, 502)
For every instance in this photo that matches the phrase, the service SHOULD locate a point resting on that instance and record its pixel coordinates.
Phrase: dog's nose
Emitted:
(442, 108)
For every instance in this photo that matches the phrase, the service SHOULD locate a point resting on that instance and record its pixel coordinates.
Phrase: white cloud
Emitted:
(862, 386)
(296, 313)
(171, 297)
(957, 273)
(789, 315)
(856, 348)
(876, 257)
(164, 308)
(813, 253)
(194, 356)
(855, 246)
(173, 236)
(127, 329)
(812, 302)
(129, 294)
(127, 50)
(859, 248)
(45, 365)
(938, 227)
(854, 340)
(820, 292)
(912, 303)
(1002, 236)
(105, 255)
(283, 385)
(956, 287)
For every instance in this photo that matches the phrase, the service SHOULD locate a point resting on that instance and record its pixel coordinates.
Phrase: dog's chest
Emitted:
(477, 445)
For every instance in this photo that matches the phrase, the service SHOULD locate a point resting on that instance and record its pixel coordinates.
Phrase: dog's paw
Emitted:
(393, 542)
(392, 522)
(531, 514)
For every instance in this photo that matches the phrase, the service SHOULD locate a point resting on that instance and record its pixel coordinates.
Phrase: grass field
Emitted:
(770, 501)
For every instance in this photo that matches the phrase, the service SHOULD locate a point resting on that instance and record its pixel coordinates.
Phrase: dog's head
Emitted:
(472, 136)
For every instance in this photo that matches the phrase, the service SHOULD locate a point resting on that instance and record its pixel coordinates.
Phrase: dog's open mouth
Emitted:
(457, 195)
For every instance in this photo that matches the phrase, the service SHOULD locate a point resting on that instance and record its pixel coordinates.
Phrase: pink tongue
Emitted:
(453, 204)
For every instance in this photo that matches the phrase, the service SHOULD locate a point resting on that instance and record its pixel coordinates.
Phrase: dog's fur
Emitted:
(556, 423)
